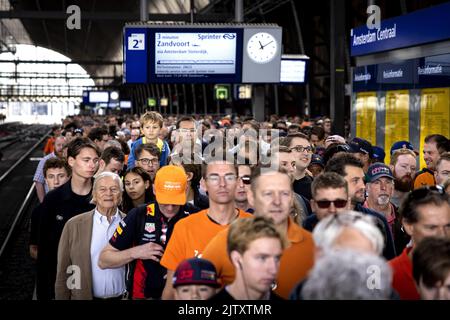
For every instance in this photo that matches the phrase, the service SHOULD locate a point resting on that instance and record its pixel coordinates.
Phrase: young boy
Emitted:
(195, 279)
(151, 124)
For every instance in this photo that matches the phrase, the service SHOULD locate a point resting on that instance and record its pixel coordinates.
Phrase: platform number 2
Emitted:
(136, 41)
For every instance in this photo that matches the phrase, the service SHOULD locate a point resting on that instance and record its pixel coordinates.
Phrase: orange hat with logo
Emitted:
(170, 185)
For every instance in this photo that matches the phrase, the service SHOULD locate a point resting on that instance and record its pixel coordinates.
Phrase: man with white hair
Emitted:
(362, 276)
(345, 230)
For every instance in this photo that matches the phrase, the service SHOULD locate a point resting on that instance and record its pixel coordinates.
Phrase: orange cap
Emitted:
(170, 185)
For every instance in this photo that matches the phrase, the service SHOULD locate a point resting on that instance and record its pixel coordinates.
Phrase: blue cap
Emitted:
(402, 145)
(378, 154)
(359, 145)
(377, 171)
(316, 159)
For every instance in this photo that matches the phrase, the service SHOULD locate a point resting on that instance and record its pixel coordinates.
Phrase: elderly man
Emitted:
(356, 271)
(347, 230)
(351, 169)
(145, 233)
(83, 238)
(61, 204)
(380, 187)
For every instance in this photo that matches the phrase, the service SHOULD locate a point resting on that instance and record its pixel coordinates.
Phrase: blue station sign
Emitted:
(419, 27)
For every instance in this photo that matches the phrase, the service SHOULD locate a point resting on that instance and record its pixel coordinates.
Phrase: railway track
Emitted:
(17, 199)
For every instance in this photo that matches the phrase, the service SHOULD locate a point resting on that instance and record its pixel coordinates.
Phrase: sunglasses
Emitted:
(338, 203)
(246, 179)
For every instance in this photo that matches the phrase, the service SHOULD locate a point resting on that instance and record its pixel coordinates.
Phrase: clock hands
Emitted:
(262, 46)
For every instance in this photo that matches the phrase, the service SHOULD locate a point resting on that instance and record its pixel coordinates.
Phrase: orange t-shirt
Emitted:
(424, 178)
(403, 280)
(295, 263)
(190, 236)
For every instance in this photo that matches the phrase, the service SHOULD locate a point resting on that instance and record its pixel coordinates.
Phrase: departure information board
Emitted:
(206, 55)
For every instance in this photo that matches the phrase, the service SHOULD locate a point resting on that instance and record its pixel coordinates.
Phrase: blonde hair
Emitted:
(151, 116)
(401, 152)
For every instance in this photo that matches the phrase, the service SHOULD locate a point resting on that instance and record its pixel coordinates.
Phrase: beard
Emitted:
(405, 184)
(383, 200)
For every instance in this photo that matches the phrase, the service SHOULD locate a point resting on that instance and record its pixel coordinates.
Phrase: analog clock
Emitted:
(262, 47)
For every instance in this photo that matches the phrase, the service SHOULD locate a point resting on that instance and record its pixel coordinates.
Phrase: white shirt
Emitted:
(108, 282)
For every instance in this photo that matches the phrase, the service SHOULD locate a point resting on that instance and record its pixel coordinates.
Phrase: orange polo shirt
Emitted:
(295, 263)
(190, 236)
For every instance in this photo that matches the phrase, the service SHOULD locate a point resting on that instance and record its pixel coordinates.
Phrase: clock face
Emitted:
(262, 47)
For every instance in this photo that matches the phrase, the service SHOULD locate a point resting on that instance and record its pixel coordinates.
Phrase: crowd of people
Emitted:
(229, 208)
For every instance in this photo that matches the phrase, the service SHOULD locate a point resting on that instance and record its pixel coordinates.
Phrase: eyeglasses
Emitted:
(246, 179)
(338, 203)
(302, 148)
(186, 130)
(146, 161)
(214, 179)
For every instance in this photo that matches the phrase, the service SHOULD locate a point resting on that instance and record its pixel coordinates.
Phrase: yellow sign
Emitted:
(434, 115)
(366, 119)
(397, 119)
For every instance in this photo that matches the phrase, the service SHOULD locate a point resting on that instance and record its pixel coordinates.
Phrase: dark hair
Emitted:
(196, 170)
(431, 261)
(443, 146)
(150, 148)
(436, 138)
(54, 163)
(328, 180)
(97, 133)
(339, 162)
(183, 119)
(288, 139)
(318, 131)
(125, 147)
(420, 197)
(112, 153)
(333, 149)
(127, 203)
(76, 145)
(294, 126)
